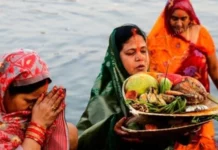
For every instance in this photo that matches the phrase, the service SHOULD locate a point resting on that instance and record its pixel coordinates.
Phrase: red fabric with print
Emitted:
(195, 66)
(25, 67)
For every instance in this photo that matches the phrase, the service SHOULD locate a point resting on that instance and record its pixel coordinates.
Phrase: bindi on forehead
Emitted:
(135, 36)
(180, 13)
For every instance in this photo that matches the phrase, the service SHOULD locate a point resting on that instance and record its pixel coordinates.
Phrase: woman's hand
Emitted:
(123, 134)
(47, 107)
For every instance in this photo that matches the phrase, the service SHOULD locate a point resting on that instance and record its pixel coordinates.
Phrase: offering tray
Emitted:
(209, 102)
(161, 133)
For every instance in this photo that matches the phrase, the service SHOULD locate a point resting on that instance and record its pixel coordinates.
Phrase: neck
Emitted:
(186, 34)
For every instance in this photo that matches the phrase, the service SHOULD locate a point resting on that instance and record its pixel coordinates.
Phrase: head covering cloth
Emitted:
(20, 68)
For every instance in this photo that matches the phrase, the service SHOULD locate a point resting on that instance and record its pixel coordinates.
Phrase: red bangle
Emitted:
(36, 132)
(40, 141)
(37, 125)
(35, 135)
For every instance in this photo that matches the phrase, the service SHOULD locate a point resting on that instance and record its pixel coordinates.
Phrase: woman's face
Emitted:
(20, 102)
(134, 55)
(179, 21)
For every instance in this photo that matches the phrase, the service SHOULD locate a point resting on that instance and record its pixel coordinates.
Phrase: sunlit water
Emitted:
(72, 36)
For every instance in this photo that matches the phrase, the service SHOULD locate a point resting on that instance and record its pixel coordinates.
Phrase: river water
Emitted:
(72, 36)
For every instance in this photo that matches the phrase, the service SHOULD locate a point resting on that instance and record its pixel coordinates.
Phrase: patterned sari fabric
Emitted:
(23, 67)
(106, 105)
(173, 53)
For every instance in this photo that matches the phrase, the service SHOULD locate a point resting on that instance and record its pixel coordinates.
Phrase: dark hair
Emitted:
(124, 33)
(26, 89)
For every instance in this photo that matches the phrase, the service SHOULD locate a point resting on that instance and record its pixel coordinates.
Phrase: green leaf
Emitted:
(129, 101)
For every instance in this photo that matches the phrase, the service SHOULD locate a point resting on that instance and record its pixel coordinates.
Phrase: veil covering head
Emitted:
(106, 105)
(20, 68)
(173, 5)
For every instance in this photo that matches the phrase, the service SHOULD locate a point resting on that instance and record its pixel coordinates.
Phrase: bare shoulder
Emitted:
(73, 136)
(195, 28)
(202, 29)
(194, 32)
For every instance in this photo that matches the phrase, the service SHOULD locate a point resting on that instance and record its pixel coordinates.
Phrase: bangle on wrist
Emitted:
(37, 125)
(36, 132)
(39, 141)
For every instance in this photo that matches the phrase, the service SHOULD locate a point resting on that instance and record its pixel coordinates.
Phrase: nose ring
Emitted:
(137, 59)
(31, 107)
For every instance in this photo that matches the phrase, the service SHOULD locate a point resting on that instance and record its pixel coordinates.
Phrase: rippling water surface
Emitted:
(72, 36)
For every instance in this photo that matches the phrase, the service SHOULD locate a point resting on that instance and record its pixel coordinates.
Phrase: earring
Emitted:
(30, 107)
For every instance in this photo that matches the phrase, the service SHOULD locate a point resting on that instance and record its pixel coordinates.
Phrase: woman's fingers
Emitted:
(118, 125)
(123, 134)
(47, 107)
(57, 101)
(60, 109)
(50, 94)
(40, 99)
(53, 95)
(120, 122)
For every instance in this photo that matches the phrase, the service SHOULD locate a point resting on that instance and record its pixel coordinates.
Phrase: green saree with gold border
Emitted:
(106, 106)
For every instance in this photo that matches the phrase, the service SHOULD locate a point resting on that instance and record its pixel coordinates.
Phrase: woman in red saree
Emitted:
(29, 117)
(178, 43)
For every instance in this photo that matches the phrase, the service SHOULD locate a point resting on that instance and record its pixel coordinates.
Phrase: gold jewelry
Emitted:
(137, 58)
(54, 108)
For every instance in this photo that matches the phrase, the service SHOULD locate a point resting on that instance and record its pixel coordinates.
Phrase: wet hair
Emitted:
(26, 89)
(124, 33)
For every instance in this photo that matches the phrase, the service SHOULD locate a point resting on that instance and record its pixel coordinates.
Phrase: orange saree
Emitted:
(181, 56)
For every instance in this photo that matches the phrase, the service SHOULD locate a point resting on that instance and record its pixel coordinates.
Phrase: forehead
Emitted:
(180, 13)
(135, 39)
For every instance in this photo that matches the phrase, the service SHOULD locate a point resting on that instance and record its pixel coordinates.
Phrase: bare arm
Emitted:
(29, 144)
(73, 136)
(43, 116)
(213, 68)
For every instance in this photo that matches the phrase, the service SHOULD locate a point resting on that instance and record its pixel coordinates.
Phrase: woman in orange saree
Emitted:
(178, 43)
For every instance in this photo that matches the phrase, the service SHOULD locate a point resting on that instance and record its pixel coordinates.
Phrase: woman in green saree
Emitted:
(100, 125)
(106, 105)
(126, 55)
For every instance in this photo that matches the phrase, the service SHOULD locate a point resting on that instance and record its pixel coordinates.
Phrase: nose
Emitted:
(139, 57)
(179, 23)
